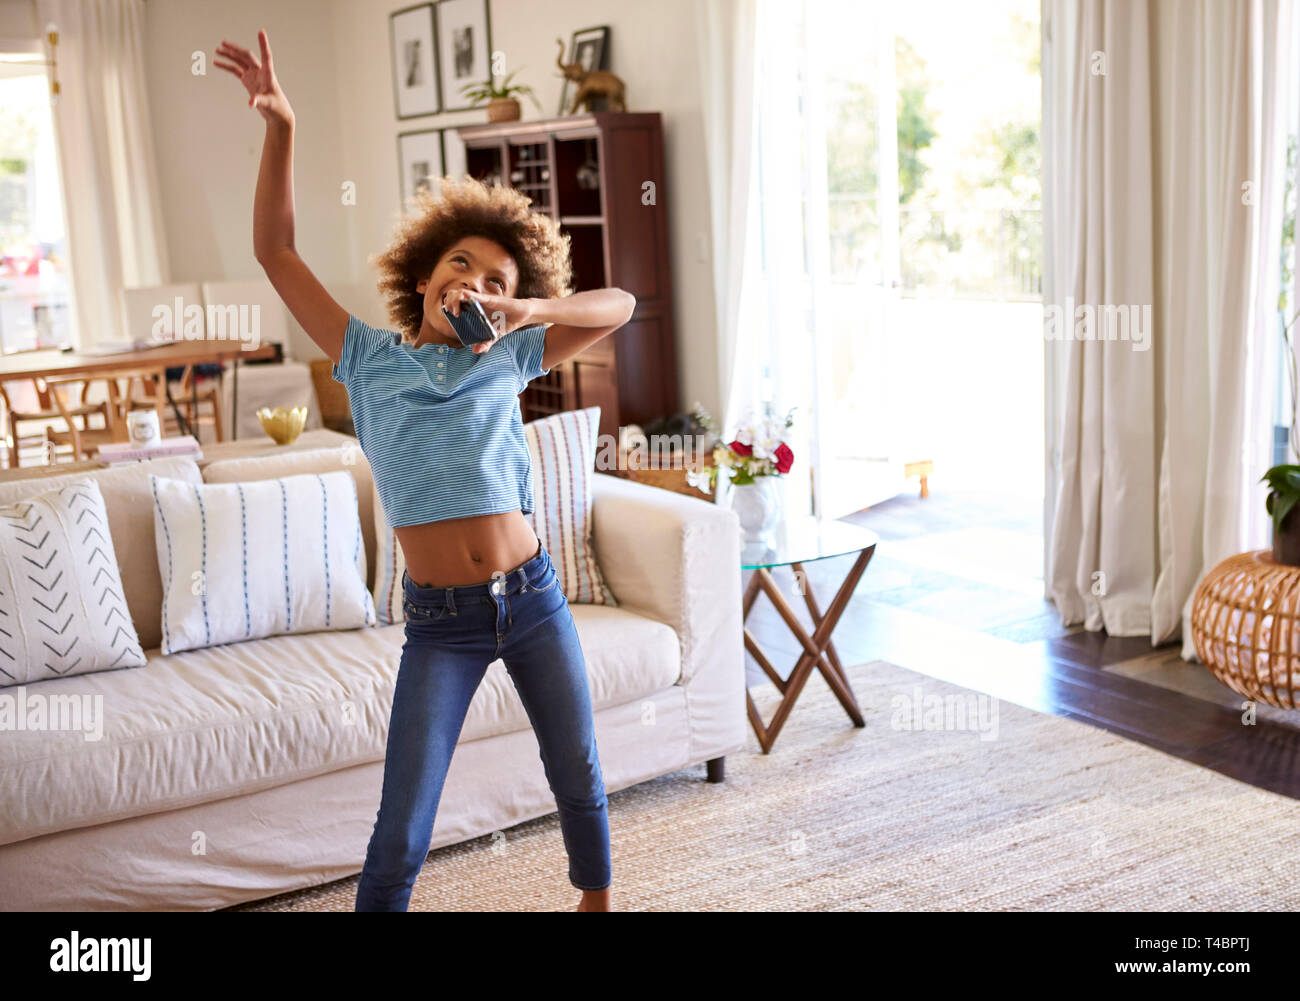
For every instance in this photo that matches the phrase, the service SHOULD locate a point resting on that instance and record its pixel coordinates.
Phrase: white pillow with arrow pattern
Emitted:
(62, 610)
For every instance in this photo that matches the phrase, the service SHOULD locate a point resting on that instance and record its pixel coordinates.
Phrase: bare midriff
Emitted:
(466, 550)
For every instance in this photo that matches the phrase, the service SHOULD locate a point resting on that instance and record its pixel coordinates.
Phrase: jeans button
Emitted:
(496, 587)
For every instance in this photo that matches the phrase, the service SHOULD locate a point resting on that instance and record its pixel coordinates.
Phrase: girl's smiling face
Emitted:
(472, 262)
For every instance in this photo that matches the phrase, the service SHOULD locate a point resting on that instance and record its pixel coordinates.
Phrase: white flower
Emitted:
(698, 478)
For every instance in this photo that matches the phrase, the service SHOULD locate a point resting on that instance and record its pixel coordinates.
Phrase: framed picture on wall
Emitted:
(414, 54)
(420, 159)
(590, 48)
(464, 49)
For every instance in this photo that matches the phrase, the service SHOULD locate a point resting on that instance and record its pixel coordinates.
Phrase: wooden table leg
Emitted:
(752, 590)
(234, 398)
(815, 648)
(832, 670)
(117, 408)
(194, 399)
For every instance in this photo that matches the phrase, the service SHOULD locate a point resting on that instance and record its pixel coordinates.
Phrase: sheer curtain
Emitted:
(725, 34)
(766, 153)
(106, 160)
(1163, 142)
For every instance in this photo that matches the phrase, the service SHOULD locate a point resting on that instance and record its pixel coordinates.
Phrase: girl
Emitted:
(440, 426)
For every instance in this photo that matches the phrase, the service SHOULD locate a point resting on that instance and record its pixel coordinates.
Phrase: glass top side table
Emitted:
(801, 539)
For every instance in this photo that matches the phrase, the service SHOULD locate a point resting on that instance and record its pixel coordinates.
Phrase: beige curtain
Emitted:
(106, 160)
(726, 52)
(1163, 139)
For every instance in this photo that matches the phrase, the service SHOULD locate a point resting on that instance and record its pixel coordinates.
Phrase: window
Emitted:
(900, 236)
(34, 281)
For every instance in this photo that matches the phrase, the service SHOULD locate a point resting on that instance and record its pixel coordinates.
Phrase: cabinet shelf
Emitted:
(599, 163)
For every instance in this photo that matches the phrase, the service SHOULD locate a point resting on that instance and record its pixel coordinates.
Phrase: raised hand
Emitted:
(258, 78)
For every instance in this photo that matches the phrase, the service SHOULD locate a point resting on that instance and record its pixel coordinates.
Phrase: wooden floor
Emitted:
(955, 592)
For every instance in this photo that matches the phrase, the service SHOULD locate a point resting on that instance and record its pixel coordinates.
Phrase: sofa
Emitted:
(240, 771)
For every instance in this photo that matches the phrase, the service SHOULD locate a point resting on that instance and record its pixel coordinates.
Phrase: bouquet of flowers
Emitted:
(757, 450)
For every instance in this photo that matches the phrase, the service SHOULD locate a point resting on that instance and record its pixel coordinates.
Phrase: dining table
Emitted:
(63, 363)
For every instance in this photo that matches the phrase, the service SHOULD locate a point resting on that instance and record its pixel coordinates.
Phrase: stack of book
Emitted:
(128, 451)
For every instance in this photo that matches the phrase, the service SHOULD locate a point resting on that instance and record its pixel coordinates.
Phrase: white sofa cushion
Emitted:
(130, 519)
(209, 724)
(347, 456)
(62, 611)
(246, 560)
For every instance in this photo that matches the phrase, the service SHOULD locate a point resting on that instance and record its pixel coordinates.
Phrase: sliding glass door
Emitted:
(900, 235)
(830, 250)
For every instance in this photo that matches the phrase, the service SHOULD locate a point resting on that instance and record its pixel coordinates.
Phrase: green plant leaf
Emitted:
(1282, 509)
(1277, 476)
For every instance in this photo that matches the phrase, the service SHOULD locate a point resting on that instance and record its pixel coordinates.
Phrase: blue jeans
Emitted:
(452, 635)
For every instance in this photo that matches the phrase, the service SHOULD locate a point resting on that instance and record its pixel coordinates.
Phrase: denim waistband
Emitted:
(513, 581)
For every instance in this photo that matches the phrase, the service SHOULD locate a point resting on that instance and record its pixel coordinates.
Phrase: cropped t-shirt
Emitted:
(440, 425)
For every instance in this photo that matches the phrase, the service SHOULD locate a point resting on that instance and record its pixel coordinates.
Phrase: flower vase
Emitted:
(758, 506)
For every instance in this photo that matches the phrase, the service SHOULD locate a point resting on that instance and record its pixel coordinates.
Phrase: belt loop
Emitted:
(451, 600)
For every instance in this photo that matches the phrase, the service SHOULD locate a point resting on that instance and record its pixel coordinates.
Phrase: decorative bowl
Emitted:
(282, 424)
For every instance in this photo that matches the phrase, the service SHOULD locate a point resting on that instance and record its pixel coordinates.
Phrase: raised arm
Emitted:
(314, 308)
(575, 321)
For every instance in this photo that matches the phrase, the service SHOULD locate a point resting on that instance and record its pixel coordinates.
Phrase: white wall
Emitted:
(332, 60)
(209, 141)
(652, 47)
(18, 20)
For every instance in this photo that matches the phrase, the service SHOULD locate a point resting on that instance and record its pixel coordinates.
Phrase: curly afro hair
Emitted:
(467, 207)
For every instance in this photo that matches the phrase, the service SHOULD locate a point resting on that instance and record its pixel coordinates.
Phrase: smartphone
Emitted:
(472, 326)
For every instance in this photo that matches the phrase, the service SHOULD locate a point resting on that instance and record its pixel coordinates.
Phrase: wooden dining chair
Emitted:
(145, 388)
(209, 392)
(60, 401)
(135, 389)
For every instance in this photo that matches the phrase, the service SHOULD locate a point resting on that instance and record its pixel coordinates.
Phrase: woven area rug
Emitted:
(947, 800)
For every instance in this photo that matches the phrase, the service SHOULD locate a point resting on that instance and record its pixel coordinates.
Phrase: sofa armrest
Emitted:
(676, 559)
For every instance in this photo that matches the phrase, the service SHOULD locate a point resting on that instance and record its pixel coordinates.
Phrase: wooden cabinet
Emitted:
(601, 176)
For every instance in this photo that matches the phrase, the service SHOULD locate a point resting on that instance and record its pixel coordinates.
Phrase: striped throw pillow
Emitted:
(260, 558)
(563, 452)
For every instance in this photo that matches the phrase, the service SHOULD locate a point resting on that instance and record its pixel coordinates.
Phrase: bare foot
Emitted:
(594, 900)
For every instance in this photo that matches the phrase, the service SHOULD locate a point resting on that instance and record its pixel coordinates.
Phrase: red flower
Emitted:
(784, 458)
(740, 449)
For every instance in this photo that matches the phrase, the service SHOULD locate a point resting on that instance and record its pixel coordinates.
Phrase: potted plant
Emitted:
(1284, 491)
(501, 105)
(752, 461)
(1284, 480)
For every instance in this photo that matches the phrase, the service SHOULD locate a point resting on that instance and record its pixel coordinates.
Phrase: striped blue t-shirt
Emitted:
(440, 425)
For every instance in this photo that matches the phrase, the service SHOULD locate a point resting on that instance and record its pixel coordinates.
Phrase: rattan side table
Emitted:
(1246, 627)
